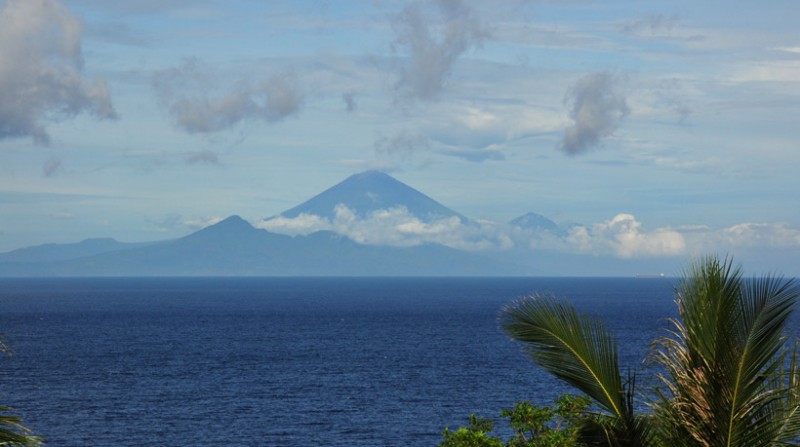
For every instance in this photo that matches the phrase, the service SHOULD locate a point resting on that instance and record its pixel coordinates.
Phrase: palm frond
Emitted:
(571, 346)
(13, 433)
(724, 382)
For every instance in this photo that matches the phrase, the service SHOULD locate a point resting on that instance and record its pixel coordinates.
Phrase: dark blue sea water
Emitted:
(284, 362)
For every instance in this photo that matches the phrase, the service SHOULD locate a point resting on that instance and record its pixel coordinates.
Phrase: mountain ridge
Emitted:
(234, 247)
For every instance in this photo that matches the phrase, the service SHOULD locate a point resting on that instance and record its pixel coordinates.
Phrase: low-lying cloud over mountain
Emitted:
(622, 236)
(371, 223)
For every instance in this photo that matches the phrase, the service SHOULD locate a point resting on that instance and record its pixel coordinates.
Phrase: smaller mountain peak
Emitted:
(232, 220)
(231, 223)
(230, 227)
(534, 221)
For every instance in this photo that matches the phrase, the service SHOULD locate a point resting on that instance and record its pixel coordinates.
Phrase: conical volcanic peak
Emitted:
(230, 227)
(371, 191)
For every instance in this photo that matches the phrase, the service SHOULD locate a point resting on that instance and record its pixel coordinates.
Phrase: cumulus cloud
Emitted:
(597, 109)
(303, 224)
(187, 93)
(763, 234)
(624, 237)
(743, 236)
(40, 70)
(395, 227)
(431, 44)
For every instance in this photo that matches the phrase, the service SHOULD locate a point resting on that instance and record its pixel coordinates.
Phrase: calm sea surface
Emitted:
(284, 362)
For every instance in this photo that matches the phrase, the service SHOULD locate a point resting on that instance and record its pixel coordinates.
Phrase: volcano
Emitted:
(372, 191)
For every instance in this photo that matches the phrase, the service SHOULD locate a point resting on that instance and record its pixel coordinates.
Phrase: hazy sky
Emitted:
(662, 128)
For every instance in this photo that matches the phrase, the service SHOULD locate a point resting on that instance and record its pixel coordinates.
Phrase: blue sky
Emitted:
(663, 129)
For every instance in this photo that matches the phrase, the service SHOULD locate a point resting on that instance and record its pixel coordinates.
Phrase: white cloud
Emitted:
(303, 224)
(623, 236)
(743, 236)
(479, 127)
(395, 227)
(768, 71)
(40, 70)
(472, 132)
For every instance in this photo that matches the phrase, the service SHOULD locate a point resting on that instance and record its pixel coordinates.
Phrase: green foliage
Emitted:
(476, 434)
(533, 426)
(728, 376)
(12, 432)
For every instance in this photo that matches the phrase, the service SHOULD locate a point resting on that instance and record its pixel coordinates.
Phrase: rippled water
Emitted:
(283, 362)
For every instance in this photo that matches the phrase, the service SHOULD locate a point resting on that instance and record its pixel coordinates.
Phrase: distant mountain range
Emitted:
(234, 247)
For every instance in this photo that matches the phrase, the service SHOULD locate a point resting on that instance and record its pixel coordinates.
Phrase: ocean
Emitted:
(286, 361)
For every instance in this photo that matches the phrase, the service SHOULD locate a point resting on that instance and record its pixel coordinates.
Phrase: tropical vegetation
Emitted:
(726, 371)
(532, 425)
(12, 432)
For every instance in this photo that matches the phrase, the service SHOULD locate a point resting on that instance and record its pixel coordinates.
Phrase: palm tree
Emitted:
(727, 375)
(12, 432)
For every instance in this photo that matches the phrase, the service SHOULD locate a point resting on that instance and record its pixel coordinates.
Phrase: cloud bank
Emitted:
(40, 70)
(432, 43)
(186, 92)
(395, 227)
(597, 109)
(622, 236)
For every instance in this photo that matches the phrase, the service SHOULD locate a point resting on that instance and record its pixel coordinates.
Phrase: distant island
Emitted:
(235, 247)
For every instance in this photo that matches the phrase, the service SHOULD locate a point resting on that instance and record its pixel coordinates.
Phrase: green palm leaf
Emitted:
(581, 351)
(571, 346)
(725, 381)
(13, 433)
